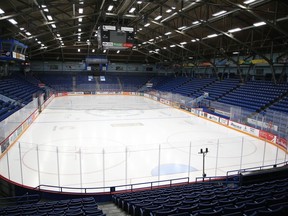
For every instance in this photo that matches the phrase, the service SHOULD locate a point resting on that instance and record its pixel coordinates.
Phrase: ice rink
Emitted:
(103, 141)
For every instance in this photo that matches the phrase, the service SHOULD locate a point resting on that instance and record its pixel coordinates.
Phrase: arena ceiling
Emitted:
(165, 30)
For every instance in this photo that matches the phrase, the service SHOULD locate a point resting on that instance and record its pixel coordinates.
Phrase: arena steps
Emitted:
(110, 209)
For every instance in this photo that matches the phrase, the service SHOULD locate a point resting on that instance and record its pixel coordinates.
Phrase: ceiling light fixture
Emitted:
(219, 13)
(158, 17)
(132, 10)
(168, 33)
(173, 45)
(28, 33)
(110, 7)
(168, 10)
(80, 10)
(1, 11)
(147, 24)
(234, 30)
(182, 27)
(80, 19)
(212, 35)
(53, 26)
(14, 22)
(259, 24)
(49, 17)
(249, 1)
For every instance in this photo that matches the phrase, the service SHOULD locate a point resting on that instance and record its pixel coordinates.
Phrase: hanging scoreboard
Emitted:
(111, 37)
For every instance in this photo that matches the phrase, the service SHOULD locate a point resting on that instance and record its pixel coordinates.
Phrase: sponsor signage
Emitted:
(236, 125)
(194, 111)
(201, 113)
(213, 117)
(282, 142)
(251, 130)
(154, 98)
(185, 108)
(267, 136)
(4, 145)
(223, 121)
(108, 27)
(128, 29)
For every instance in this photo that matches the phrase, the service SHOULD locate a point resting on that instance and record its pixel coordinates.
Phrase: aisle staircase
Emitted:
(110, 209)
(97, 83)
(120, 84)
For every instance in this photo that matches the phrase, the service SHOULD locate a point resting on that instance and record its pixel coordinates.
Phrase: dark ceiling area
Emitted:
(165, 30)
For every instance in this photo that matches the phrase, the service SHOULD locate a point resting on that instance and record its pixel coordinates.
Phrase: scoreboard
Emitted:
(111, 37)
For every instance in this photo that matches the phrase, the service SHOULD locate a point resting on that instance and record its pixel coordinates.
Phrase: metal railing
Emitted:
(130, 187)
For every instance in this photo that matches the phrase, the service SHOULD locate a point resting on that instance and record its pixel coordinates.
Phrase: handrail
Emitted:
(111, 189)
(255, 168)
(209, 178)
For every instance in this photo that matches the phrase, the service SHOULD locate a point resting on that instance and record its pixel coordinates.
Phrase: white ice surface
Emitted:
(97, 141)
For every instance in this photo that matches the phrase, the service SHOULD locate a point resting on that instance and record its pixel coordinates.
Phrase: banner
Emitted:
(282, 142)
(213, 117)
(267, 136)
(194, 111)
(223, 121)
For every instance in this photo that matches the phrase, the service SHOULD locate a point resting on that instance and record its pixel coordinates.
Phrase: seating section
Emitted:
(267, 198)
(133, 82)
(111, 84)
(18, 89)
(72, 207)
(220, 88)
(170, 84)
(194, 87)
(280, 106)
(85, 83)
(7, 109)
(59, 82)
(254, 95)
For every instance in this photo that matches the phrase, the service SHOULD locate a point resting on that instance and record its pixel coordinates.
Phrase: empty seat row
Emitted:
(195, 199)
(71, 207)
